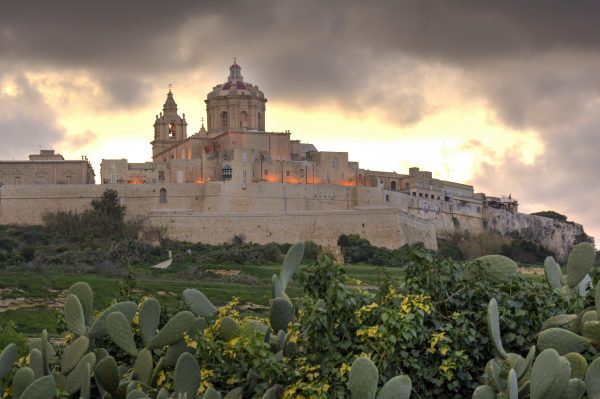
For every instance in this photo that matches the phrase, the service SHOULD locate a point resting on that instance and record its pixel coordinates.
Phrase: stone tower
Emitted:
(169, 127)
(235, 105)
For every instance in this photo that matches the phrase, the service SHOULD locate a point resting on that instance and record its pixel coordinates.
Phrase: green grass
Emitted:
(166, 286)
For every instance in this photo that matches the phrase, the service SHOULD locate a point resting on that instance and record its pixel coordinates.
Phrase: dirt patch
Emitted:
(535, 271)
(223, 273)
(23, 303)
(252, 306)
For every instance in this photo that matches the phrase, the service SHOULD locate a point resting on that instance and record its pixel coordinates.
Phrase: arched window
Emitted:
(243, 119)
(227, 172)
(172, 130)
(393, 185)
(224, 119)
(261, 124)
(163, 196)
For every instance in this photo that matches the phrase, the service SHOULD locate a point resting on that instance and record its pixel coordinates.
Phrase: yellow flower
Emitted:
(161, 378)
(189, 342)
(344, 369)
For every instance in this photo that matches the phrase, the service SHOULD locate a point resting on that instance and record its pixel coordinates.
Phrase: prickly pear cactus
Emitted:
(281, 314)
(363, 379)
(7, 359)
(498, 268)
(398, 387)
(493, 323)
(580, 262)
(563, 341)
(198, 303)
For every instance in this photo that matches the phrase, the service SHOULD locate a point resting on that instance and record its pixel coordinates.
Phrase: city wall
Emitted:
(384, 227)
(216, 211)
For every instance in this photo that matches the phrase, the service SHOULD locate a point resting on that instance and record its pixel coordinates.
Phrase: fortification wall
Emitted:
(383, 227)
(267, 212)
(557, 236)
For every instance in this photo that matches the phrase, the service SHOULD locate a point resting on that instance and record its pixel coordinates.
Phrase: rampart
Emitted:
(214, 212)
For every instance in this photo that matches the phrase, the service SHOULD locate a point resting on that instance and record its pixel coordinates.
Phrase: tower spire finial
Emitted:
(170, 87)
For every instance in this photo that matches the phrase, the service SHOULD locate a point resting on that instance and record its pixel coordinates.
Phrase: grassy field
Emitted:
(44, 291)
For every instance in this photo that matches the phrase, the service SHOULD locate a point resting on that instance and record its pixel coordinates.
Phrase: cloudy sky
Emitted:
(504, 95)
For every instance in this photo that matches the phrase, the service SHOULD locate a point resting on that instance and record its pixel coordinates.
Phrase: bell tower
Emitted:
(169, 128)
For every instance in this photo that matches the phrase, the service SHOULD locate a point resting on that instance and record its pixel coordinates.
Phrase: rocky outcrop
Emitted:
(555, 235)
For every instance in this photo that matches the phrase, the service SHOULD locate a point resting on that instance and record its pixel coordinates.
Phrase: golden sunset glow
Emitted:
(440, 91)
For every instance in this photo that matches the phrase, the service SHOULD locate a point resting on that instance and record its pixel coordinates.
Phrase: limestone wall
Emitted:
(555, 235)
(264, 212)
(383, 227)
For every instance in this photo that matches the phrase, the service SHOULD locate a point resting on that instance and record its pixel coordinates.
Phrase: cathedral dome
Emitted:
(235, 105)
(235, 85)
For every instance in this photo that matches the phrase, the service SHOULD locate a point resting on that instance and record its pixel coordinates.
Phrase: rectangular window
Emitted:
(287, 172)
(244, 173)
(244, 156)
(266, 172)
(161, 175)
(17, 180)
(302, 173)
(113, 178)
(68, 180)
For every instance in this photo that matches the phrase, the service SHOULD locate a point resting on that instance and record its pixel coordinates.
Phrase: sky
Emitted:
(504, 95)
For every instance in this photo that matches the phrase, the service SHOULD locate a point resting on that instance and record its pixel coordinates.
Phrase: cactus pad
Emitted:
(83, 292)
(73, 354)
(498, 268)
(363, 379)
(553, 273)
(198, 303)
(187, 375)
(142, 368)
(581, 260)
(290, 263)
(76, 377)
(547, 371)
(119, 330)
(563, 341)
(575, 389)
(398, 387)
(212, 393)
(23, 377)
(7, 359)
(281, 314)
(592, 379)
(493, 323)
(561, 320)
(484, 392)
(229, 328)
(107, 374)
(235, 393)
(578, 365)
(73, 314)
(42, 388)
(99, 327)
(149, 319)
(173, 330)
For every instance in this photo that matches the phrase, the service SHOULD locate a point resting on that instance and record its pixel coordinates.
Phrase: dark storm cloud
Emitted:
(533, 62)
(26, 123)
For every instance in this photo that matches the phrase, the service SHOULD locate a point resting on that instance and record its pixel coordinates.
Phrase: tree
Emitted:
(551, 215)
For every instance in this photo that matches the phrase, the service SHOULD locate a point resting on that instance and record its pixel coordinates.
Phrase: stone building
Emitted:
(233, 147)
(47, 167)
